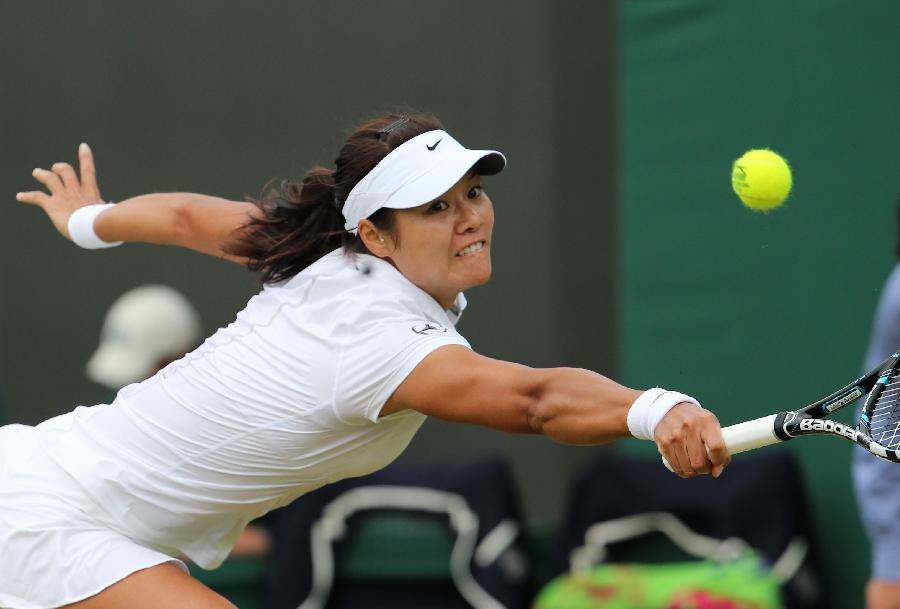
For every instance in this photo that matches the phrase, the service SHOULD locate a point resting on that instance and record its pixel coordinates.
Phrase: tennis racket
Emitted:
(878, 428)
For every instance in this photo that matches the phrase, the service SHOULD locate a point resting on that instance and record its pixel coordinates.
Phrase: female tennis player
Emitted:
(326, 374)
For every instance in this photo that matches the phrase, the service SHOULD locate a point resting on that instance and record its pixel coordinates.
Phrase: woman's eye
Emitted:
(438, 206)
(475, 192)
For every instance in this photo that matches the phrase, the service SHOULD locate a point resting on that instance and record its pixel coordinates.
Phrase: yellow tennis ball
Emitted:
(762, 179)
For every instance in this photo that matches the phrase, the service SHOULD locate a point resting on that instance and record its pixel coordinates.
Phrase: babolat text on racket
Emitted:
(877, 430)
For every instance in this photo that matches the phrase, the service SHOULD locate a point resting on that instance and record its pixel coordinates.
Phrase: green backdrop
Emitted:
(751, 312)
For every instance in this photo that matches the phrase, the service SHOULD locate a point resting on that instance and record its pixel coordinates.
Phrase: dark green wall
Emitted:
(218, 98)
(754, 313)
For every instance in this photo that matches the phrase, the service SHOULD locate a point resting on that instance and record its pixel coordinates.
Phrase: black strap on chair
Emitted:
(444, 535)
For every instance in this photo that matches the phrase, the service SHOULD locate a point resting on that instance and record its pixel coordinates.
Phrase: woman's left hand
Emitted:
(690, 439)
(67, 191)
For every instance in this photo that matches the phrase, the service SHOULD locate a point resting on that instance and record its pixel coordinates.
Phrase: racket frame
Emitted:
(809, 420)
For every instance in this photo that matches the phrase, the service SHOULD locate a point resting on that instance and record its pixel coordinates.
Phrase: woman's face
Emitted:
(444, 246)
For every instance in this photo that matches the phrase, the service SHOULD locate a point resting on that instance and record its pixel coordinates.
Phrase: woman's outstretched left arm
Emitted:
(199, 222)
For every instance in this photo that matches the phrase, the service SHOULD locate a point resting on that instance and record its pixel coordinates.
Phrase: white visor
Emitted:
(416, 172)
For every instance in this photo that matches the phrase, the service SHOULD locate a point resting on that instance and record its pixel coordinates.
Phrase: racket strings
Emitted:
(887, 400)
(883, 415)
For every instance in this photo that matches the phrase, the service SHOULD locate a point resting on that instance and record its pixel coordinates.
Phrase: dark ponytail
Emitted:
(303, 222)
(300, 224)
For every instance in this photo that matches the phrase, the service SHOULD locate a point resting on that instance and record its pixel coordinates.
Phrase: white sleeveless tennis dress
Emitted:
(282, 401)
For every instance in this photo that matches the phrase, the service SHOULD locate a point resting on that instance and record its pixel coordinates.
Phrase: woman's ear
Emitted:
(377, 242)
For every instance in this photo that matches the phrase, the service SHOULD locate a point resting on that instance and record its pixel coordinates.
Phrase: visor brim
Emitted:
(445, 175)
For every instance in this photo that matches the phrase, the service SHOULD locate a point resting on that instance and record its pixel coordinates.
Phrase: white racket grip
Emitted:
(747, 436)
(750, 434)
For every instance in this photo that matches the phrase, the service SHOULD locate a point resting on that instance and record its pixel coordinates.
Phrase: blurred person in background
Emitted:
(326, 374)
(146, 329)
(877, 481)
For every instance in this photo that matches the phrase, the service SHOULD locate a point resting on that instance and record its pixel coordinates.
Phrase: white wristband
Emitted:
(81, 227)
(649, 409)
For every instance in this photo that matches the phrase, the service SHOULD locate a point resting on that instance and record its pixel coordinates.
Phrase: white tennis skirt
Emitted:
(54, 547)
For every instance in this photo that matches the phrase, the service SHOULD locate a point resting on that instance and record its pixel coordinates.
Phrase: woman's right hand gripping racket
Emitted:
(878, 428)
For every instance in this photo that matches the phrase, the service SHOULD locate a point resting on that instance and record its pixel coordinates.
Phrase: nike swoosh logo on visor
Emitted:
(435, 145)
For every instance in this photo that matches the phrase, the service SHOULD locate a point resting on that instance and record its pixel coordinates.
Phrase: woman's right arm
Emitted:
(199, 222)
(570, 405)
(205, 224)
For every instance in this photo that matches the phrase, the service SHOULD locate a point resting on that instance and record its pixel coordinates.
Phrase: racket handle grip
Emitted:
(747, 436)
(750, 434)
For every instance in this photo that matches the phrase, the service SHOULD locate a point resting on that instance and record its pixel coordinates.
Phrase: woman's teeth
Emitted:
(475, 247)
